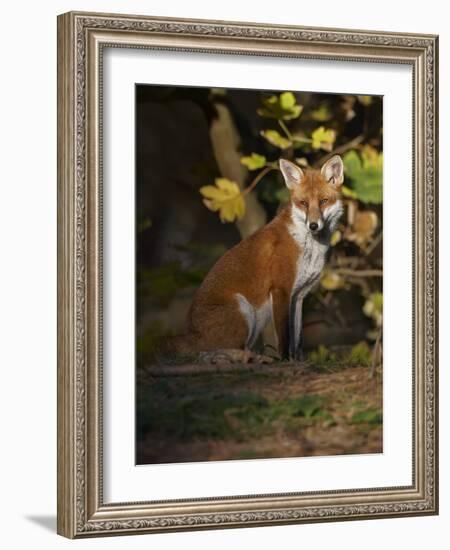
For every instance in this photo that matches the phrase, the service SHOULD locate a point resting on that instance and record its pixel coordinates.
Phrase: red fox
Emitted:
(268, 274)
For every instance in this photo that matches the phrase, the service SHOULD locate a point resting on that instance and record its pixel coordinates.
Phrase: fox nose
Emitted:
(313, 226)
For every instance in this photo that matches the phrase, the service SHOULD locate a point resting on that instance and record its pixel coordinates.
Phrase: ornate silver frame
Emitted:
(81, 39)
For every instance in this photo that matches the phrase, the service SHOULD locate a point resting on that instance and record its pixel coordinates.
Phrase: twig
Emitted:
(285, 129)
(375, 354)
(339, 150)
(359, 272)
(257, 179)
(373, 244)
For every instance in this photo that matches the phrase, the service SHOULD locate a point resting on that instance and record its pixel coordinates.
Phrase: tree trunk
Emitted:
(225, 142)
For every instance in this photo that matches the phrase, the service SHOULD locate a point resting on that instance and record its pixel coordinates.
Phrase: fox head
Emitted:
(315, 195)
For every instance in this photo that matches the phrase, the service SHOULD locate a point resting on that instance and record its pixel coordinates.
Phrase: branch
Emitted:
(339, 150)
(257, 179)
(373, 244)
(195, 369)
(285, 129)
(359, 272)
(225, 141)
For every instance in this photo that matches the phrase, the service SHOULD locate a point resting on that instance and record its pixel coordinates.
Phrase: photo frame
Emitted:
(83, 410)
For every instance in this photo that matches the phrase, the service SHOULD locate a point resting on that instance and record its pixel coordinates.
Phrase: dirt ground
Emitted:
(188, 413)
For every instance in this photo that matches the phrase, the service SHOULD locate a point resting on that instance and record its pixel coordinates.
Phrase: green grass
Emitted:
(373, 417)
(324, 360)
(175, 410)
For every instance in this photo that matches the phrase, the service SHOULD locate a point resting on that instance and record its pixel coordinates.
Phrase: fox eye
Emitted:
(304, 203)
(323, 201)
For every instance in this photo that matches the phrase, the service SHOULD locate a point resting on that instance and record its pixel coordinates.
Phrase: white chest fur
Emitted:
(312, 261)
(309, 266)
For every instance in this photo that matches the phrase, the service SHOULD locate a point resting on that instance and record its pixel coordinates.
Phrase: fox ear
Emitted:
(333, 171)
(292, 174)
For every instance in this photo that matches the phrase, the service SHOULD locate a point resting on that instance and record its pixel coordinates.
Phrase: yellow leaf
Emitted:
(282, 107)
(275, 138)
(373, 308)
(302, 161)
(287, 100)
(335, 238)
(371, 157)
(323, 138)
(224, 197)
(332, 281)
(254, 161)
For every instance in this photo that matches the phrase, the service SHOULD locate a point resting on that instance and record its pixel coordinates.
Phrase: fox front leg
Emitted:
(280, 310)
(295, 328)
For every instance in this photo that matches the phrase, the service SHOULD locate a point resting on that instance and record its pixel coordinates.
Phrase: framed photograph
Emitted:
(247, 288)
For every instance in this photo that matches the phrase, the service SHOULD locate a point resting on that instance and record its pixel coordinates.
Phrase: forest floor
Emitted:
(190, 413)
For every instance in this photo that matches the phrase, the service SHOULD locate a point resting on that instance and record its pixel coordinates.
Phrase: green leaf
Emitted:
(308, 406)
(360, 355)
(371, 416)
(366, 174)
(276, 139)
(347, 192)
(287, 100)
(283, 107)
(323, 138)
(254, 161)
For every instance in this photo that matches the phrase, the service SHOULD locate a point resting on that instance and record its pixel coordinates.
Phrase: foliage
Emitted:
(365, 171)
(281, 107)
(359, 355)
(370, 416)
(275, 138)
(322, 357)
(323, 138)
(224, 197)
(254, 161)
(331, 280)
(373, 308)
(307, 406)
